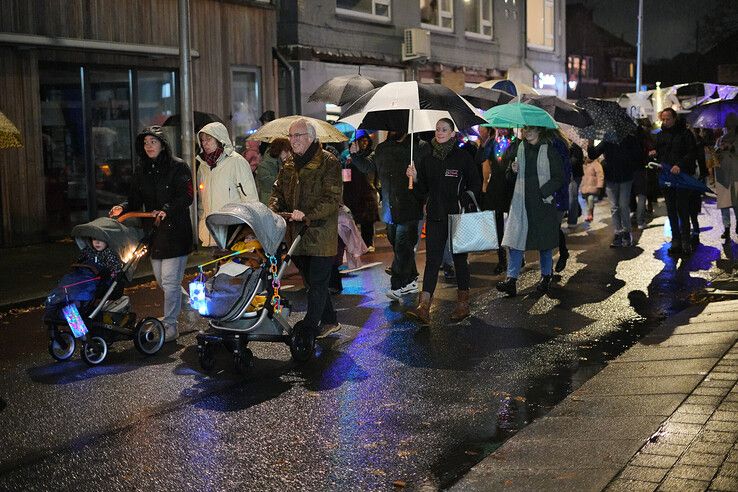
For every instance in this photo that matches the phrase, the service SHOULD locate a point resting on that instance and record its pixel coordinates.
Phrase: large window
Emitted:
(579, 67)
(245, 102)
(623, 69)
(437, 13)
(540, 24)
(478, 15)
(369, 9)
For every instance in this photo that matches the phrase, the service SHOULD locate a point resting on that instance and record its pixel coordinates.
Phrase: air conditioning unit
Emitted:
(416, 44)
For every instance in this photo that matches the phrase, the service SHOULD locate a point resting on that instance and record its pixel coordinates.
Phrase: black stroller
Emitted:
(243, 302)
(100, 318)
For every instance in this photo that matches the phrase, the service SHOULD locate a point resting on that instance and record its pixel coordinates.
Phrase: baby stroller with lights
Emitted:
(84, 307)
(242, 301)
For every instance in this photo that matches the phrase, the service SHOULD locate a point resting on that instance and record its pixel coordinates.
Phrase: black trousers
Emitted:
(436, 233)
(316, 272)
(695, 207)
(500, 225)
(367, 233)
(403, 237)
(677, 208)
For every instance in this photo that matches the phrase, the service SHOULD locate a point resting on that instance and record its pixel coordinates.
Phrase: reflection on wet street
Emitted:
(384, 403)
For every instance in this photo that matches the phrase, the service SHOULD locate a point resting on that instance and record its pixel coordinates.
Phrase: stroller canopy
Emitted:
(120, 237)
(268, 227)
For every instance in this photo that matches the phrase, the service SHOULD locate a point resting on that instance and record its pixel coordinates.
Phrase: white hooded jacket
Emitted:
(229, 181)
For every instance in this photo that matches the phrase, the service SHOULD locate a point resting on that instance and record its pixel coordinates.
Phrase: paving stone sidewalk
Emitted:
(661, 417)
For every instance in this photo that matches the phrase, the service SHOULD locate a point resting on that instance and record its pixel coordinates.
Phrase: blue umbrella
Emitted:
(682, 180)
(712, 114)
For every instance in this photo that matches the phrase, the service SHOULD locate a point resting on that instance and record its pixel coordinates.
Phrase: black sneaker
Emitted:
(617, 241)
(675, 249)
(626, 239)
(543, 285)
(726, 234)
(508, 286)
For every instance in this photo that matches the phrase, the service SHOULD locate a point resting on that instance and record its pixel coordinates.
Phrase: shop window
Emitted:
(478, 16)
(368, 9)
(540, 24)
(245, 103)
(437, 14)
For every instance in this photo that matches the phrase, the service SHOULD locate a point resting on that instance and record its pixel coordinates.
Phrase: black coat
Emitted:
(163, 184)
(576, 157)
(499, 190)
(390, 160)
(445, 182)
(676, 146)
(621, 159)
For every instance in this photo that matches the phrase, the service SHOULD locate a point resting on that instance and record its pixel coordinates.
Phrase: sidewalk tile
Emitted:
(692, 472)
(711, 391)
(688, 418)
(716, 448)
(596, 405)
(660, 368)
(674, 484)
(728, 406)
(664, 449)
(715, 436)
(732, 455)
(722, 416)
(721, 426)
(718, 383)
(703, 400)
(620, 485)
(655, 385)
(653, 460)
(692, 339)
(723, 483)
(696, 458)
(677, 428)
(644, 474)
(697, 409)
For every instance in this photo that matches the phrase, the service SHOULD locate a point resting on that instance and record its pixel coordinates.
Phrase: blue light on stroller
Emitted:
(198, 301)
(74, 320)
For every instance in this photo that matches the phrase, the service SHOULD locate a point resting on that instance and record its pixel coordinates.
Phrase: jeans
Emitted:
(168, 274)
(436, 242)
(574, 201)
(677, 208)
(515, 260)
(403, 238)
(619, 196)
(641, 210)
(316, 272)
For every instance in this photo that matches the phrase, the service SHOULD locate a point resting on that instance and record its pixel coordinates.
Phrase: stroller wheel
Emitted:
(149, 336)
(206, 357)
(62, 346)
(302, 343)
(242, 361)
(94, 351)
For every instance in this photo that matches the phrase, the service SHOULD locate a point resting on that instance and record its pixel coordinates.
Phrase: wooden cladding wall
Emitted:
(22, 198)
(224, 34)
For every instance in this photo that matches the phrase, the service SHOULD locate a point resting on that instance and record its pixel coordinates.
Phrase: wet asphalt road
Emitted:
(384, 405)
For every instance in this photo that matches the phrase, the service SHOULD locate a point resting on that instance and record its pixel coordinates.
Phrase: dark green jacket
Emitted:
(316, 191)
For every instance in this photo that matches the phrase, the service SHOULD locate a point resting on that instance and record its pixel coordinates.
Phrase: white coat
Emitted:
(229, 181)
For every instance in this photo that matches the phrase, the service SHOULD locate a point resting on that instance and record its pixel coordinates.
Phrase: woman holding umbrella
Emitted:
(533, 221)
(444, 176)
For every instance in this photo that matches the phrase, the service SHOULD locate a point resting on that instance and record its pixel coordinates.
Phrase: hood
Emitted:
(154, 131)
(220, 133)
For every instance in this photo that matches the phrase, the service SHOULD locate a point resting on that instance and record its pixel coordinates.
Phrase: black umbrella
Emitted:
(345, 89)
(200, 119)
(611, 122)
(484, 98)
(560, 110)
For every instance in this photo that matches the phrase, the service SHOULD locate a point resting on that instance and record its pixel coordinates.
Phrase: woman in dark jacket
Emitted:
(162, 185)
(444, 176)
(360, 195)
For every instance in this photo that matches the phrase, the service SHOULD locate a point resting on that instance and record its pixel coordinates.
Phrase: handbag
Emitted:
(472, 231)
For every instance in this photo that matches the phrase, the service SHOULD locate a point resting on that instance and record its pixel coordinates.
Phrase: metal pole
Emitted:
(639, 46)
(185, 106)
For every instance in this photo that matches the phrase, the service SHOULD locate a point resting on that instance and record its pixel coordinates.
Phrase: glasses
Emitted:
(296, 135)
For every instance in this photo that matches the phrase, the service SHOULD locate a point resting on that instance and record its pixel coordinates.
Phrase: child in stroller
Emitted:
(242, 300)
(89, 303)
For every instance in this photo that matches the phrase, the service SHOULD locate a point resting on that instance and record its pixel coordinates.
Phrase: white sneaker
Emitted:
(170, 333)
(328, 330)
(411, 288)
(395, 295)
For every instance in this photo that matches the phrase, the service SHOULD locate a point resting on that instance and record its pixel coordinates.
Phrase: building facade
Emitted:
(82, 77)
(470, 42)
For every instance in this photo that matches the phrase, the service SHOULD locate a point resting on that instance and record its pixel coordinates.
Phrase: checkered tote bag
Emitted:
(472, 231)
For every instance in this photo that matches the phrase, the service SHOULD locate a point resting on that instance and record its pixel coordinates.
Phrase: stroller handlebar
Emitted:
(138, 215)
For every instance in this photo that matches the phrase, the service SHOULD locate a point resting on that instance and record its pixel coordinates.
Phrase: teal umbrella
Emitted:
(517, 115)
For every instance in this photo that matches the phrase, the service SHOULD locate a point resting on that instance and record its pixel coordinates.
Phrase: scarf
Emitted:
(212, 159)
(441, 150)
(516, 227)
(302, 160)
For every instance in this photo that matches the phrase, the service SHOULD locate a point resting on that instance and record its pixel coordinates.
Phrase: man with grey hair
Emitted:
(308, 192)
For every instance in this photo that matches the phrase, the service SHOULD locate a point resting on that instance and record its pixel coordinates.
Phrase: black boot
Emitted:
(508, 286)
(561, 262)
(543, 285)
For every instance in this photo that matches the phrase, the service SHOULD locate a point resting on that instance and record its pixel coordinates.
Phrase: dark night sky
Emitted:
(669, 26)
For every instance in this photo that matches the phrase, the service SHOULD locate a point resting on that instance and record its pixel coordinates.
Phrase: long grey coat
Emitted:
(543, 221)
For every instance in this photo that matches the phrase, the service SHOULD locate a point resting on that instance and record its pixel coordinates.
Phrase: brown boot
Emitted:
(422, 312)
(462, 306)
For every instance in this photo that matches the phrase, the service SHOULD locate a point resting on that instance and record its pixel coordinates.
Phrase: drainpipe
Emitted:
(286, 64)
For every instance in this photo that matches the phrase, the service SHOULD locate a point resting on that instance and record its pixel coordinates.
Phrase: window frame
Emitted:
(489, 4)
(624, 62)
(449, 14)
(370, 17)
(240, 69)
(552, 36)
